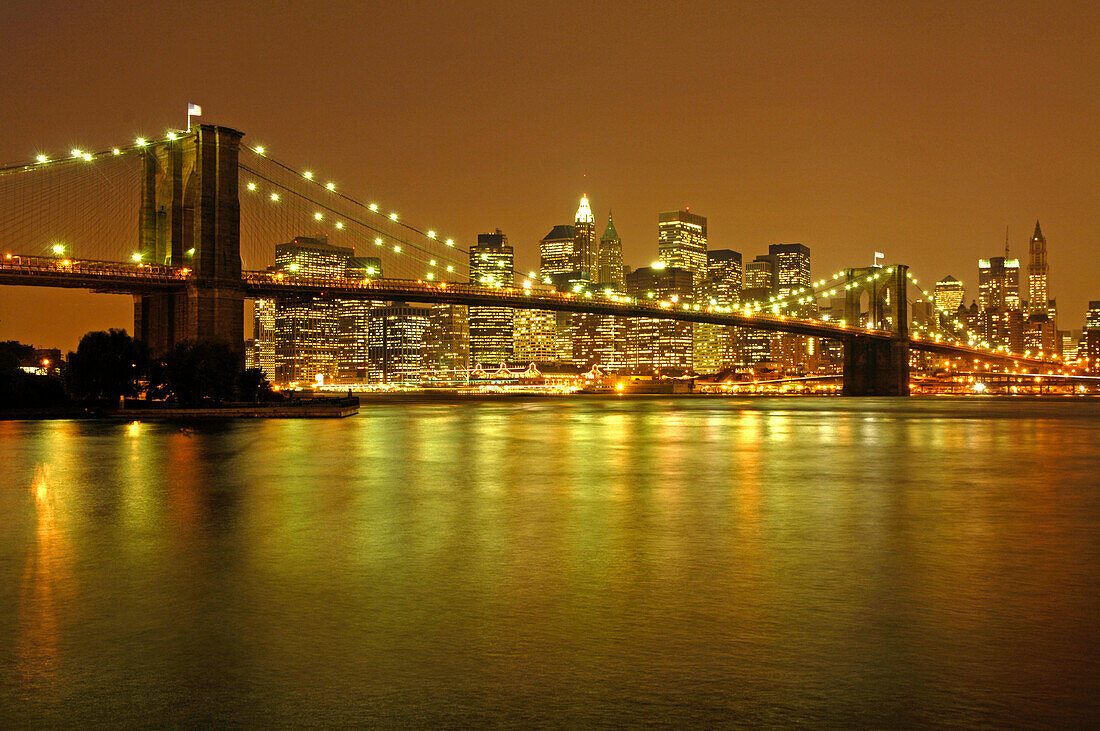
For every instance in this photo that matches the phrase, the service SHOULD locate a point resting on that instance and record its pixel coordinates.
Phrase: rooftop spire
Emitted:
(1038, 235)
(1006, 242)
(584, 213)
(609, 233)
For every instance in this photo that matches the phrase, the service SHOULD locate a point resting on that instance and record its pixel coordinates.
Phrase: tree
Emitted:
(106, 365)
(197, 371)
(252, 385)
(24, 390)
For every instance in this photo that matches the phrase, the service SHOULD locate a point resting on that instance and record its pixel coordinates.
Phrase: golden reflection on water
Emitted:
(44, 586)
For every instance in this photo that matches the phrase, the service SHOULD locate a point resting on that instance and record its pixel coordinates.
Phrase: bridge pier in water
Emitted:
(190, 216)
(876, 366)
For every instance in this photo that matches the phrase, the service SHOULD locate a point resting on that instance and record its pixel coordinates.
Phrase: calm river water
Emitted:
(558, 562)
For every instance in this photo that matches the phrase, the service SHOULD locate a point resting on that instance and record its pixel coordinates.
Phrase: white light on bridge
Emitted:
(339, 224)
(450, 242)
(397, 249)
(317, 216)
(135, 256)
(116, 151)
(373, 207)
(330, 186)
(393, 216)
(431, 234)
(140, 141)
(252, 186)
(307, 175)
(260, 150)
(171, 135)
(274, 197)
(58, 249)
(76, 152)
(450, 268)
(378, 241)
(42, 158)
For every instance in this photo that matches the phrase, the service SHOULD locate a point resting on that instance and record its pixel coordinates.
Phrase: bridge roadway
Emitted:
(126, 278)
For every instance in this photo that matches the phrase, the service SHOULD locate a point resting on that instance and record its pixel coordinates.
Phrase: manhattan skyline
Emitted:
(774, 125)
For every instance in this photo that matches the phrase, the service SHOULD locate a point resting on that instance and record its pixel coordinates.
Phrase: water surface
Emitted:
(558, 562)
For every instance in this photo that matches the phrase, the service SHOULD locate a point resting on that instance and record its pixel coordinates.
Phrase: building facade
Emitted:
(682, 242)
(492, 264)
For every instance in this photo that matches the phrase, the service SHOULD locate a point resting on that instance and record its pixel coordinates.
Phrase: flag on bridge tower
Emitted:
(879, 255)
(193, 110)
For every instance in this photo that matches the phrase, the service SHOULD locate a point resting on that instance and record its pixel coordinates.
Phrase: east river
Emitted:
(567, 562)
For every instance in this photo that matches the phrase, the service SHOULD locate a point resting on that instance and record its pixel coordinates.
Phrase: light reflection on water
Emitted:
(581, 561)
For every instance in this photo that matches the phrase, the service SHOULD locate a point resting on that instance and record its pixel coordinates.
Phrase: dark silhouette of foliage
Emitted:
(106, 365)
(200, 371)
(252, 385)
(20, 390)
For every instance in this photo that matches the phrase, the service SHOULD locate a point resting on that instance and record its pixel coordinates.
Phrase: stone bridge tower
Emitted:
(191, 216)
(874, 367)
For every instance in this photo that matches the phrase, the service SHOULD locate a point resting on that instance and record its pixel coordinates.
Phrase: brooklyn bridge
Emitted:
(184, 225)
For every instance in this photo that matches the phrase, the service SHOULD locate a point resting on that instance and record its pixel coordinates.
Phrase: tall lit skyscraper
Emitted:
(534, 336)
(396, 343)
(447, 345)
(492, 262)
(263, 333)
(556, 250)
(654, 346)
(1037, 270)
(585, 247)
(306, 328)
(999, 283)
(792, 267)
(949, 294)
(682, 242)
(611, 259)
(724, 267)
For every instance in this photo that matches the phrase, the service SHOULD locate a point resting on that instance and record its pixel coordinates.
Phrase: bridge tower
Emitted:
(875, 367)
(190, 216)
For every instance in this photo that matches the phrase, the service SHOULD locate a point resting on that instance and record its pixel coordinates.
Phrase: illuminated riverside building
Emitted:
(1037, 271)
(1092, 338)
(534, 333)
(352, 323)
(1040, 336)
(949, 294)
(682, 242)
(492, 262)
(263, 334)
(715, 346)
(792, 272)
(999, 283)
(659, 347)
(447, 345)
(610, 259)
(306, 328)
(585, 247)
(396, 343)
(599, 340)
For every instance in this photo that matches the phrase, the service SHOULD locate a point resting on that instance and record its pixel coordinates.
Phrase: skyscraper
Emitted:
(682, 242)
(556, 250)
(611, 259)
(306, 328)
(396, 343)
(949, 294)
(655, 346)
(492, 262)
(792, 267)
(1037, 270)
(533, 336)
(585, 248)
(999, 283)
(447, 345)
(263, 334)
(1092, 338)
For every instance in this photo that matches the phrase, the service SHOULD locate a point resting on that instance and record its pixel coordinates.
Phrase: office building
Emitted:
(556, 252)
(999, 283)
(447, 345)
(585, 246)
(682, 242)
(263, 335)
(792, 267)
(1092, 338)
(396, 343)
(949, 294)
(610, 259)
(534, 334)
(1037, 270)
(492, 263)
(660, 347)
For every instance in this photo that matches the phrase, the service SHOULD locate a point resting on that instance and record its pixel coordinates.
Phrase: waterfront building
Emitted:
(534, 333)
(610, 259)
(492, 263)
(682, 242)
(1037, 270)
(759, 282)
(353, 322)
(999, 283)
(660, 347)
(949, 294)
(598, 340)
(792, 267)
(1040, 336)
(1092, 338)
(396, 340)
(724, 268)
(306, 328)
(263, 335)
(447, 346)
